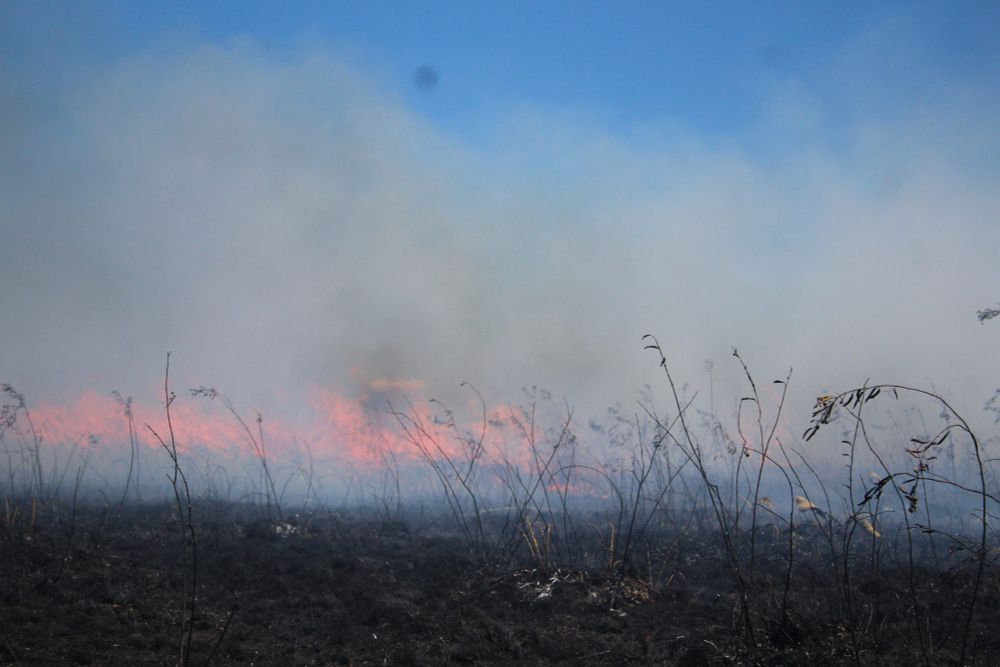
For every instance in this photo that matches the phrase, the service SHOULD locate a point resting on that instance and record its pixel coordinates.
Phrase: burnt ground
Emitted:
(338, 589)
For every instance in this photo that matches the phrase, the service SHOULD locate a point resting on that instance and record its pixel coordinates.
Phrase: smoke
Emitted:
(286, 222)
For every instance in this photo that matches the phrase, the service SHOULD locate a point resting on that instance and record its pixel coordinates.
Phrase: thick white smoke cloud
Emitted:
(281, 222)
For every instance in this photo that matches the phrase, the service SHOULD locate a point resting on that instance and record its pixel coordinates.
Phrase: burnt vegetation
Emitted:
(681, 539)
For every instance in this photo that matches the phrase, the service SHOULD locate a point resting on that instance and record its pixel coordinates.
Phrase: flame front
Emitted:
(336, 426)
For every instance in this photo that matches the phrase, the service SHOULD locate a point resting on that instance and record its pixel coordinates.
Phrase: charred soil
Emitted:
(94, 586)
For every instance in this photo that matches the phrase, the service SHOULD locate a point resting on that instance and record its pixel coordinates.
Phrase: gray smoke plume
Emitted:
(285, 222)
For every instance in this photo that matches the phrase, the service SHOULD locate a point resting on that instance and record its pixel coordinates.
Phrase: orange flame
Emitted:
(339, 426)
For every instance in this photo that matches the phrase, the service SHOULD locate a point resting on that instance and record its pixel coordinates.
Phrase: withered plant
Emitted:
(457, 473)
(126, 405)
(30, 439)
(256, 443)
(689, 445)
(185, 519)
(907, 486)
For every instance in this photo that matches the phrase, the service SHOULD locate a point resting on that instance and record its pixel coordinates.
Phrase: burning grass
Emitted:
(675, 542)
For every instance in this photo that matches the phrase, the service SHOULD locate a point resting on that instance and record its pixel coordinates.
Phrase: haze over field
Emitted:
(357, 200)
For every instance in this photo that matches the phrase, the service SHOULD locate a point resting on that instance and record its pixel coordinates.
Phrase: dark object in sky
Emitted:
(987, 314)
(425, 78)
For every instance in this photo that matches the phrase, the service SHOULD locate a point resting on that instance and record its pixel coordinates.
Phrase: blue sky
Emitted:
(815, 183)
(704, 65)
